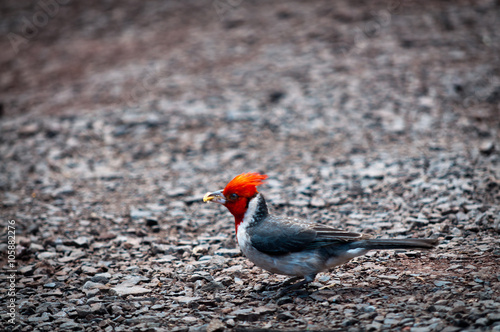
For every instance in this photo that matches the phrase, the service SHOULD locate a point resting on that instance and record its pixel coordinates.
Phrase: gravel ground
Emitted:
(380, 117)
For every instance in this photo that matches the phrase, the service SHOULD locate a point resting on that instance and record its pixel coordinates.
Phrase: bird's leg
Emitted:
(285, 283)
(307, 279)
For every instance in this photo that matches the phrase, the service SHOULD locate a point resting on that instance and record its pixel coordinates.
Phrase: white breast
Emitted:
(242, 236)
(294, 264)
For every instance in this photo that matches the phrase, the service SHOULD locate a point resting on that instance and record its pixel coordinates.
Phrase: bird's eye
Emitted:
(233, 197)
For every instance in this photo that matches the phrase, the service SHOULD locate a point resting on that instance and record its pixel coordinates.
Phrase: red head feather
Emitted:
(244, 185)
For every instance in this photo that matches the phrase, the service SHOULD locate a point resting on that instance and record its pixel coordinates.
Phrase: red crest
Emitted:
(245, 185)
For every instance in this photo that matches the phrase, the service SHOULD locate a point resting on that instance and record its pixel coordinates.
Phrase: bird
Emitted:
(292, 246)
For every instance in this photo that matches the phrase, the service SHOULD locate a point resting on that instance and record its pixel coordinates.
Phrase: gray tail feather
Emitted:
(388, 244)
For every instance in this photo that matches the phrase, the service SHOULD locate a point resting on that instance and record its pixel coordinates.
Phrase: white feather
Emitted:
(242, 236)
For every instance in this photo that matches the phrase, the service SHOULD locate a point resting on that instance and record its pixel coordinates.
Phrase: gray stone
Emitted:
(124, 290)
(228, 252)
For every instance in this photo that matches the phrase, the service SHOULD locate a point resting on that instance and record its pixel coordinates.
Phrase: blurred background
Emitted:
(108, 104)
(117, 116)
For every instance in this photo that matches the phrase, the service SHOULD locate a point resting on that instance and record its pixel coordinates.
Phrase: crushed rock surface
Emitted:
(378, 117)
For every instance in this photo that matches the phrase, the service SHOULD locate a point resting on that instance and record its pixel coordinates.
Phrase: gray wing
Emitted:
(279, 236)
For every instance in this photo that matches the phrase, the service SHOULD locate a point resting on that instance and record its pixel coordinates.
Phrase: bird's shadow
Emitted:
(281, 296)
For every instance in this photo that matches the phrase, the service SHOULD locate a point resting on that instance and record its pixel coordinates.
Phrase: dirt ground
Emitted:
(116, 117)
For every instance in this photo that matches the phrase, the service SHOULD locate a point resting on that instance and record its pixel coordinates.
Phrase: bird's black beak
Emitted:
(216, 197)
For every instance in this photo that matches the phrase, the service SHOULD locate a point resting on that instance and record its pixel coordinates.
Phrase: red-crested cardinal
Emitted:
(292, 246)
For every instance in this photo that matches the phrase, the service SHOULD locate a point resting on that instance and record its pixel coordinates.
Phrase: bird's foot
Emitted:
(285, 284)
(292, 287)
(286, 290)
